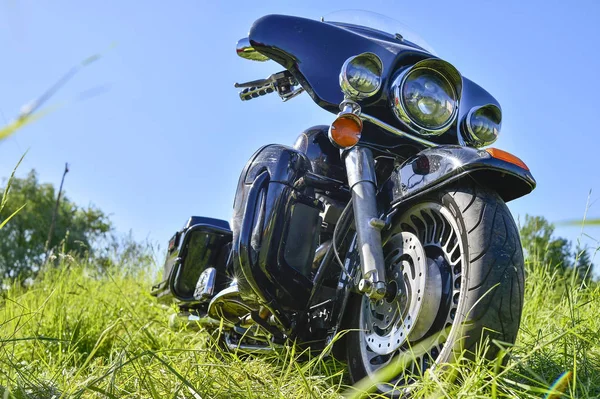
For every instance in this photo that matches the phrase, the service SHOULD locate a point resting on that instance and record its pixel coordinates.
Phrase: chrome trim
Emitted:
(471, 137)
(205, 287)
(345, 85)
(446, 71)
(360, 168)
(194, 321)
(250, 348)
(230, 295)
(397, 132)
(320, 254)
(245, 50)
(461, 139)
(348, 106)
(292, 94)
(205, 322)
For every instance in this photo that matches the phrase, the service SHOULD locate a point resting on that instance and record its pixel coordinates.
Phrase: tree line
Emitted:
(84, 232)
(541, 245)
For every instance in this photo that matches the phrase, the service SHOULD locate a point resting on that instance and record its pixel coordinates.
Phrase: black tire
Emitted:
(492, 279)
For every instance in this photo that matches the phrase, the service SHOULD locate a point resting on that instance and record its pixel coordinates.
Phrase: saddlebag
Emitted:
(276, 226)
(203, 243)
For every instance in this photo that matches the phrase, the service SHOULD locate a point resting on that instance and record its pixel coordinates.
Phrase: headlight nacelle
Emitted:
(426, 96)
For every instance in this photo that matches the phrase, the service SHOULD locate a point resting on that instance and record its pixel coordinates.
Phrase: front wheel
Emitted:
(454, 269)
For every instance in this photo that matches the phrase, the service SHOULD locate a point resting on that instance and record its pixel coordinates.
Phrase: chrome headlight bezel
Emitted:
(348, 89)
(470, 137)
(443, 69)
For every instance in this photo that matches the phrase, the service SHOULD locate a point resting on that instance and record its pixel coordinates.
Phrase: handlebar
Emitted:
(283, 83)
(256, 91)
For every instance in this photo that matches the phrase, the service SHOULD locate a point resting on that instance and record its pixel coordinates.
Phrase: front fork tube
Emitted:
(360, 168)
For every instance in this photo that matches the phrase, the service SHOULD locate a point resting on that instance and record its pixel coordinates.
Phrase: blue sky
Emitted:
(167, 137)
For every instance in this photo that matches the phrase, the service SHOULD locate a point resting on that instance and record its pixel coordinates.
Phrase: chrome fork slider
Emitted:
(360, 168)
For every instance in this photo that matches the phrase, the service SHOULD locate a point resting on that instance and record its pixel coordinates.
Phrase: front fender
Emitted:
(435, 167)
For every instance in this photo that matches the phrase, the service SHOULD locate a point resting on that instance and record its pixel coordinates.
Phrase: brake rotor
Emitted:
(389, 322)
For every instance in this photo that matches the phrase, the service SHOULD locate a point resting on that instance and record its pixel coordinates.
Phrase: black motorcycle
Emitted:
(390, 223)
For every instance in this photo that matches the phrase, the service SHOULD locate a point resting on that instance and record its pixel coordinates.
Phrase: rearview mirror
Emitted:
(245, 50)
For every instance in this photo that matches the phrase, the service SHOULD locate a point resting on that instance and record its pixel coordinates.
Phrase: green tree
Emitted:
(23, 239)
(537, 237)
(583, 263)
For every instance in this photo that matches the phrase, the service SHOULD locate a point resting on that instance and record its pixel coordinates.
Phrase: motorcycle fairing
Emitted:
(315, 51)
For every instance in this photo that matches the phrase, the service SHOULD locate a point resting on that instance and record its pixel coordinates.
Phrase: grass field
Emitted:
(78, 334)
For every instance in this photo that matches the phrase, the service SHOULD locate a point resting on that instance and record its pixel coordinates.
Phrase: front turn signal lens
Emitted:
(506, 156)
(345, 131)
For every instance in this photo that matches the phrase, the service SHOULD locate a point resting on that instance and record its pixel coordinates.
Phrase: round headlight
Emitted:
(426, 96)
(360, 76)
(482, 125)
(429, 98)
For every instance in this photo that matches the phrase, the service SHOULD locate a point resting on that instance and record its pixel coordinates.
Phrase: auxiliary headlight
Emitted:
(482, 125)
(425, 96)
(360, 76)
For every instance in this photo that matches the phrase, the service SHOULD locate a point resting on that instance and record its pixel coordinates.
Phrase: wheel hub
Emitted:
(425, 253)
(389, 322)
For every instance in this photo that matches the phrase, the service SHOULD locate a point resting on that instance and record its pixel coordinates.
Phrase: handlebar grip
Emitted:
(253, 92)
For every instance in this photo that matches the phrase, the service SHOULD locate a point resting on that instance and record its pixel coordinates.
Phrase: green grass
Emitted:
(78, 334)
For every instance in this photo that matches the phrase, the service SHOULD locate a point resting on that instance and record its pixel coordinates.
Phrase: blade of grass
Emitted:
(3, 223)
(6, 191)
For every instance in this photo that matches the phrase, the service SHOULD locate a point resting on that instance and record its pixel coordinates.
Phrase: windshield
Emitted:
(378, 22)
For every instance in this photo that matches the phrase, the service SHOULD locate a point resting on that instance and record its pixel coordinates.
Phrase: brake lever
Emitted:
(254, 83)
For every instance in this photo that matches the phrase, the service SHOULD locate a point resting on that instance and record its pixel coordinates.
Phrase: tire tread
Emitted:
(498, 267)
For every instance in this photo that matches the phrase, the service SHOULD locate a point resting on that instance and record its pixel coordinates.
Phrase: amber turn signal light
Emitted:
(506, 156)
(345, 131)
